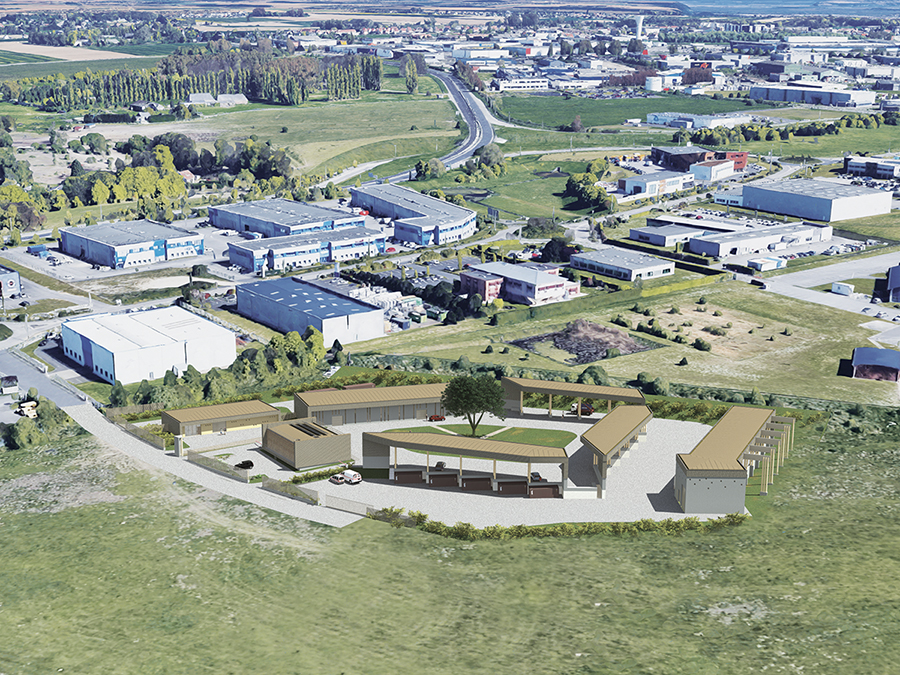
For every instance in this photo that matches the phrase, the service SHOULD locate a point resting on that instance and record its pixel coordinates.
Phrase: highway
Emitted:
(480, 130)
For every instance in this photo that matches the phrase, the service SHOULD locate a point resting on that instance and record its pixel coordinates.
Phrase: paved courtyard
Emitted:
(640, 485)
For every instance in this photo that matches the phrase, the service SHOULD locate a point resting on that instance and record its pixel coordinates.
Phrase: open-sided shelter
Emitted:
(613, 436)
(222, 417)
(302, 444)
(515, 389)
(377, 454)
(712, 478)
(380, 404)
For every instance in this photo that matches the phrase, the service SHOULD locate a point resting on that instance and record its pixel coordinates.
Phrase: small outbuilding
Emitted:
(210, 419)
(303, 444)
(871, 363)
(381, 404)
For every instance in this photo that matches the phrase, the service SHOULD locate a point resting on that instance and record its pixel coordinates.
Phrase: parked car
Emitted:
(351, 477)
(246, 464)
(338, 479)
(24, 303)
(440, 466)
(586, 409)
(535, 477)
(436, 418)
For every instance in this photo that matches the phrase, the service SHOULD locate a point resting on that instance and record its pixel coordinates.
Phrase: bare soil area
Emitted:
(586, 342)
(64, 53)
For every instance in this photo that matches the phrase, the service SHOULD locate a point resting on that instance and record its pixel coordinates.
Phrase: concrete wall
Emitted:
(708, 494)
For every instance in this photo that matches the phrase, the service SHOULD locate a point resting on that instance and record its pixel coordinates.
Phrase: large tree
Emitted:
(473, 397)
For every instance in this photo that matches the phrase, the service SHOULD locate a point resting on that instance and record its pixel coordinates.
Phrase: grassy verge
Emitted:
(466, 429)
(30, 350)
(553, 438)
(861, 285)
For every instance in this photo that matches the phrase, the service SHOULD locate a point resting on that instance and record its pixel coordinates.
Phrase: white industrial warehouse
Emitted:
(817, 199)
(622, 264)
(281, 217)
(144, 345)
(758, 239)
(418, 218)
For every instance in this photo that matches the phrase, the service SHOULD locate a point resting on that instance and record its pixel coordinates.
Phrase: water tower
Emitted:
(639, 26)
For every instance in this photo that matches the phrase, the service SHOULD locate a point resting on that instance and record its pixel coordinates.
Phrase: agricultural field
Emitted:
(66, 67)
(149, 49)
(7, 58)
(95, 550)
(820, 337)
(556, 111)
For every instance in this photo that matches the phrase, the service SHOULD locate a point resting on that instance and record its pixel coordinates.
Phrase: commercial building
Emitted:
(126, 244)
(380, 404)
(290, 304)
(306, 250)
(690, 121)
(303, 444)
(622, 264)
(146, 345)
(893, 284)
(10, 282)
(712, 478)
(520, 84)
(766, 264)
(525, 283)
(655, 184)
(731, 197)
(663, 235)
(814, 94)
(817, 199)
(281, 217)
(418, 218)
(870, 363)
(758, 239)
(681, 158)
(713, 170)
(213, 419)
(874, 167)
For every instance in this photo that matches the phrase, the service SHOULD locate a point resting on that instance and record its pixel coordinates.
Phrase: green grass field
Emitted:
(860, 285)
(886, 226)
(7, 58)
(466, 430)
(150, 49)
(555, 111)
(821, 338)
(156, 576)
(72, 67)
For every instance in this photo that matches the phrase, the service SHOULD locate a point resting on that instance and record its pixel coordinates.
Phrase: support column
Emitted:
(609, 405)
(763, 477)
(578, 403)
(495, 469)
(529, 472)
(179, 445)
(460, 467)
(395, 458)
(521, 402)
(551, 405)
(427, 461)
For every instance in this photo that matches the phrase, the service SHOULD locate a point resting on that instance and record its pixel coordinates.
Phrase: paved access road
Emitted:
(109, 434)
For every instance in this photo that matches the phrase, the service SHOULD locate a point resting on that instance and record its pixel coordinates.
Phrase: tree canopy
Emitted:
(473, 397)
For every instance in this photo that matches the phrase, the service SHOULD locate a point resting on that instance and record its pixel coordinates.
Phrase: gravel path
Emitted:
(107, 432)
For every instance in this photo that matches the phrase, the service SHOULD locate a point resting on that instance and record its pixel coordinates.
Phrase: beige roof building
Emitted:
(349, 406)
(222, 417)
(303, 444)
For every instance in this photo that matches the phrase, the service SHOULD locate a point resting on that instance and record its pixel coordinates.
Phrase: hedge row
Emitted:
(468, 532)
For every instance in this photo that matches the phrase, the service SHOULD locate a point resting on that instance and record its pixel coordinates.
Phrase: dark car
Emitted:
(24, 303)
(246, 464)
(440, 466)
(537, 478)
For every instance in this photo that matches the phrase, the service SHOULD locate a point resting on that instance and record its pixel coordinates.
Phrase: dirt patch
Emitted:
(556, 173)
(55, 492)
(587, 342)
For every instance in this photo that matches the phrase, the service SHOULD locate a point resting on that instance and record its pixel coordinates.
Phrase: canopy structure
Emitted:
(515, 389)
(613, 436)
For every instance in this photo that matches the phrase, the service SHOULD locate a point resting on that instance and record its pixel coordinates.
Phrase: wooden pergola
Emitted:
(515, 388)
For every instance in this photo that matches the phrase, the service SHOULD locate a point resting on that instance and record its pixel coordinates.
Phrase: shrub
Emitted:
(786, 331)
(418, 517)
(488, 350)
(717, 313)
(621, 321)
(715, 330)
(684, 360)
(701, 300)
(505, 350)
(674, 310)
(702, 345)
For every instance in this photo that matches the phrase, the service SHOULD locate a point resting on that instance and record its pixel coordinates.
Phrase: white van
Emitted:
(351, 477)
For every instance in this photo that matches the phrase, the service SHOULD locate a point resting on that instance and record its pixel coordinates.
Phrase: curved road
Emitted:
(480, 130)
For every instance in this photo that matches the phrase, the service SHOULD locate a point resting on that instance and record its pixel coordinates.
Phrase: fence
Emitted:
(137, 432)
(348, 505)
(222, 468)
(292, 491)
(22, 356)
(75, 391)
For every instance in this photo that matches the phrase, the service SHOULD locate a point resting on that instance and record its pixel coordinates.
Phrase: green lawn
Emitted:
(886, 226)
(159, 576)
(7, 58)
(555, 111)
(553, 438)
(466, 429)
(864, 285)
(43, 280)
(149, 49)
(30, 349)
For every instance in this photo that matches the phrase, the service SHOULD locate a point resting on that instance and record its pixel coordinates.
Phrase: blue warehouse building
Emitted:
(281, 217)
(291, 304)
(418, 218)
(126, 244)
(10, 283)
(306, 250)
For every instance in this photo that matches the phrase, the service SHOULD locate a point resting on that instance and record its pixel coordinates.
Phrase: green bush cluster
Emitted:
(468, 532)
(313, 476)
